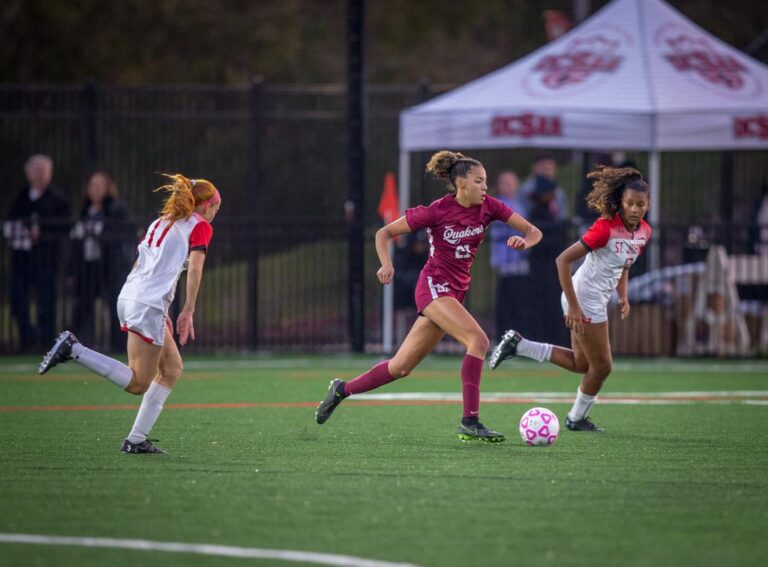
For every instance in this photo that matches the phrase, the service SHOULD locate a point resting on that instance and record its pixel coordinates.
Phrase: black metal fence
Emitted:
(282, 286)
(276, 278)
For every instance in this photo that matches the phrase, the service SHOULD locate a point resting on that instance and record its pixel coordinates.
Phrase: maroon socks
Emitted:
(375, 377)
(471, 373)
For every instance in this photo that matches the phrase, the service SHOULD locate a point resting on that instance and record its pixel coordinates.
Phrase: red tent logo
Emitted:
(692, 54)
(582, 62)
(580, 59)
(755, 126)
(704, 62)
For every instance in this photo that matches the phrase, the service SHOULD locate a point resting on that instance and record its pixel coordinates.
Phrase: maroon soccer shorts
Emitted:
(429, 288)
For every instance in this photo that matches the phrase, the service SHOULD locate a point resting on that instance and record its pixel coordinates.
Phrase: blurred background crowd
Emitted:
(96, 97)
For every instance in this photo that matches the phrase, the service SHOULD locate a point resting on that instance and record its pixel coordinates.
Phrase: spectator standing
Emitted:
(543, 305)
(511, 265)
(104, 245)
(39, 218)
(544, 165)
(760, 224)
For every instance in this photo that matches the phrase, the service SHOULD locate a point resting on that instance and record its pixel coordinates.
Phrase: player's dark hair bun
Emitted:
(450, 165)
(440, 164)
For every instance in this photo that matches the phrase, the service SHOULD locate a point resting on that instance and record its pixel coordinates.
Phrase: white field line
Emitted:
(756, 397)
(202, 549)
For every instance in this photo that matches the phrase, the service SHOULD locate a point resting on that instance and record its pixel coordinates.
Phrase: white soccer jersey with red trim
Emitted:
(162, 258)
(612, 248)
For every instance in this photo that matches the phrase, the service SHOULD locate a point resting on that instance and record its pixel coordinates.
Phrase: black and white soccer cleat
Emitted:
(334, 397)
(507, 348)
(145, 446)
(60, 352)
(585, 424)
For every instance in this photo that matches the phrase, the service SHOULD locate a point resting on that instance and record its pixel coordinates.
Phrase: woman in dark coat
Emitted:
(104, 242)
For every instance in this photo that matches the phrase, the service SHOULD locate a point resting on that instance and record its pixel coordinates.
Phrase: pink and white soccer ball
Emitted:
(539, 426)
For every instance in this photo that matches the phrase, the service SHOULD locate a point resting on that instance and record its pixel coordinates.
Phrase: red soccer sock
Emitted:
(374, 378)
(471, 373)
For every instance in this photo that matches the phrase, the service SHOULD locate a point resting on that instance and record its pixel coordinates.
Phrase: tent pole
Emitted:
(653, 215)
(404, 180)
(388, 309)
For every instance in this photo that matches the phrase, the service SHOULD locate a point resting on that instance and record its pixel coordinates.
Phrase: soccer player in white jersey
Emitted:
(177, 240)
(611, 246)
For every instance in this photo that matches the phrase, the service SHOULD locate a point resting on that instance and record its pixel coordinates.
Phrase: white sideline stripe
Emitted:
(430, 396)
(627, 398)
(202, 549)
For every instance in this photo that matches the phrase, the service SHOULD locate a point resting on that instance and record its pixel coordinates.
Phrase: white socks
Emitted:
(151, 406)
(581, 406)
(120, 374)
(540, 352)
(113, 370)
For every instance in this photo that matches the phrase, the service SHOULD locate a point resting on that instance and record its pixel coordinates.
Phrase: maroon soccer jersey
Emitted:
(454, 232)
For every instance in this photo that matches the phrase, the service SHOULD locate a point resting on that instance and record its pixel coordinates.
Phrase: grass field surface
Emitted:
(679, 478)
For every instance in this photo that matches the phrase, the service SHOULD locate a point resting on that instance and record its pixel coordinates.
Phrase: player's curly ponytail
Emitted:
(450, 165)
(184, 194)
(608, 185)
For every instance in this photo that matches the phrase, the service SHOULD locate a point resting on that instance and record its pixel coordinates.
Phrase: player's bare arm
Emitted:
(184, 323)
(574, 319)
(531, 234)
(621, 289)
(383, 236)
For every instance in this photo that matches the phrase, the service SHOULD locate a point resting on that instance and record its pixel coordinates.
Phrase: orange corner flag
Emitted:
(389, 205)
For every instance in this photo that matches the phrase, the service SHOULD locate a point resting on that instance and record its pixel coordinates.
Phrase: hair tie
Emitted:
(193, 182)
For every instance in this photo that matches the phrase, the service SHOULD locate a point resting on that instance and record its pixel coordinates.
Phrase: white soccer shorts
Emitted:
(595, 312)
(143, 320)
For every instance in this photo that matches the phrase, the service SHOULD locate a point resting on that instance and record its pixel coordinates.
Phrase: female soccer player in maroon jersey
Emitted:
(456, 225)
(611, 246)
(179, 238)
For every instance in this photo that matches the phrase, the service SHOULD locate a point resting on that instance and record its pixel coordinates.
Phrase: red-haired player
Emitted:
(456, 225)
(179, 238)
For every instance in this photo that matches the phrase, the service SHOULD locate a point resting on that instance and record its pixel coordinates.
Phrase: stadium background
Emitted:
(140, 86)
(166, 93)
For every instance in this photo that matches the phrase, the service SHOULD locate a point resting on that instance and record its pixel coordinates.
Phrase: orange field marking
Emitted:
(661, 399)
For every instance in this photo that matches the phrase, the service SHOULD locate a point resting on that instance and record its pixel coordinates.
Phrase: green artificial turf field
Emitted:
(680, 478)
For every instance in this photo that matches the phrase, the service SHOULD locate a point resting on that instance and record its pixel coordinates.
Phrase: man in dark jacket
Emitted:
(38, 223)
(545, 303)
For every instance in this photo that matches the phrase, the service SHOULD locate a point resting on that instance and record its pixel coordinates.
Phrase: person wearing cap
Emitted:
(177, 240)
(545, 165)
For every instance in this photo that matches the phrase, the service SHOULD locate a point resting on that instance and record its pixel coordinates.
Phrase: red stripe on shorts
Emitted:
(143, 338)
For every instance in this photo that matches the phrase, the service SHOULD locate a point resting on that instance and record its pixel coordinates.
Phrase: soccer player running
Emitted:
(611, 246)
(178, 240)
(456, 225)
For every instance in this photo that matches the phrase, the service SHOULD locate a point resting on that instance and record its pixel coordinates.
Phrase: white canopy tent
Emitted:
(637, 75)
